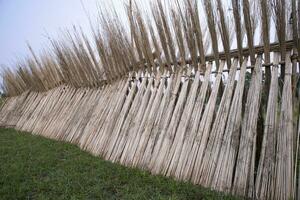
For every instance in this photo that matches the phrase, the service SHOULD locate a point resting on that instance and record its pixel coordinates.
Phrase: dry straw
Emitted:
(151, 97)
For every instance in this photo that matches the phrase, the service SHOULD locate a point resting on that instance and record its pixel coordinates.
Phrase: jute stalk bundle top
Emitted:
(157, 93)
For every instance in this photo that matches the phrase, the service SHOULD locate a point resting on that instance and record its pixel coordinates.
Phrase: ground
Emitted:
(33, 167)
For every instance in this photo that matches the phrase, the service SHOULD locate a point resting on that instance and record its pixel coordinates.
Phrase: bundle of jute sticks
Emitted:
(213, 102)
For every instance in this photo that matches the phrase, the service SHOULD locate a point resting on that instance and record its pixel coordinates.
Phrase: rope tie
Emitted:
(268, 64)
(187, 77)
(294, 57)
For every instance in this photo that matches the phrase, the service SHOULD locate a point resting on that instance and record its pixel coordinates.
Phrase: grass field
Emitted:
(33, 167)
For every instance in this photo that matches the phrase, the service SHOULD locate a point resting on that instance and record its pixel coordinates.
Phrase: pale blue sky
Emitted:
(30, 20)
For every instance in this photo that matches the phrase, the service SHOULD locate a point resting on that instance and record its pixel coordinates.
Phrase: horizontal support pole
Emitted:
(274, 47)
(234, 53)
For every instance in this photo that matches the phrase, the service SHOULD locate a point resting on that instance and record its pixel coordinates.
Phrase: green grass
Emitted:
(32, 167)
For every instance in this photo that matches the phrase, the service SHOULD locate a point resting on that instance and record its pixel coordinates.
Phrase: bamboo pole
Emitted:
(194, 161)
(245, 163)
(208, 161)
(283, 188)
(192, 128)
(225, 163)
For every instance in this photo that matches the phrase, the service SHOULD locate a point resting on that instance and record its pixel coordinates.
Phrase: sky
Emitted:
(32, 20)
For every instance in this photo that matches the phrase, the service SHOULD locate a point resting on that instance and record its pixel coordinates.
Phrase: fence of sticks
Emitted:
(214, 102)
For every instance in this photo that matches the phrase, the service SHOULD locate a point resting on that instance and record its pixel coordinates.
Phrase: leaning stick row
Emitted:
(177, 125)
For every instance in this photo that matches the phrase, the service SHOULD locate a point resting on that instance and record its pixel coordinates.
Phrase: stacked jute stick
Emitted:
(153, 98)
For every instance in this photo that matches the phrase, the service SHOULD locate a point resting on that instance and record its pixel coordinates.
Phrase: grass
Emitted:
(33, 167)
